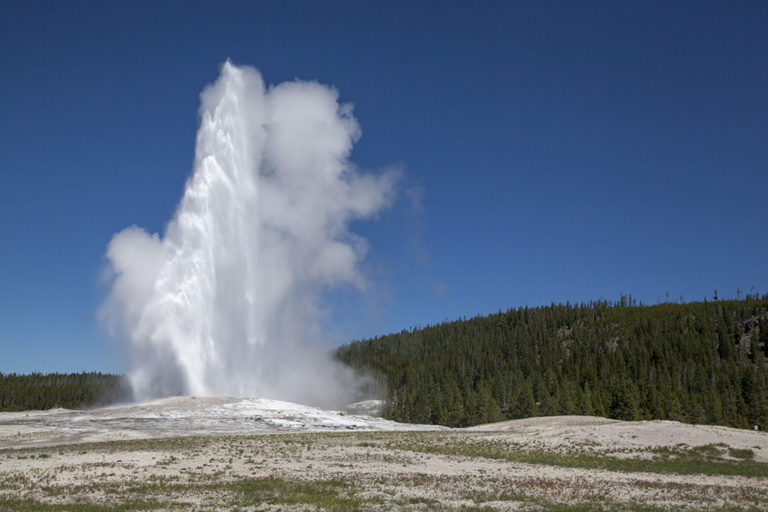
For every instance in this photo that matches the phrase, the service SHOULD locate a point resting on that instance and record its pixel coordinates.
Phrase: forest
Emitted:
(699, 362)
(67, 390)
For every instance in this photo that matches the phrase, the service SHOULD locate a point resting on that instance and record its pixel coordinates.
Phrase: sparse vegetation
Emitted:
(452, 471)
(705, 460)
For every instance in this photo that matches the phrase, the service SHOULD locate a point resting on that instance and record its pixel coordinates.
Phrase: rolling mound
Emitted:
(625, 438)
(214, 453)
(181, 417)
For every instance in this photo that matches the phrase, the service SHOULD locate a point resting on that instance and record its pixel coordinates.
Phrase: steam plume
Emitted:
(226, 301)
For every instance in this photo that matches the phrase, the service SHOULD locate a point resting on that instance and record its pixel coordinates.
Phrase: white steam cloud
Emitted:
(227, 301)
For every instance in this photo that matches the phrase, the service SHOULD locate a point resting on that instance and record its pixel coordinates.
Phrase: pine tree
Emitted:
(691, 362)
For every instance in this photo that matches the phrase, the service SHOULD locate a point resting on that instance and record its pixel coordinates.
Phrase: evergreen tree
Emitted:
(701, 362)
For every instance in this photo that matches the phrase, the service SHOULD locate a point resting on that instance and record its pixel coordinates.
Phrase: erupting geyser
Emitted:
(226, 302)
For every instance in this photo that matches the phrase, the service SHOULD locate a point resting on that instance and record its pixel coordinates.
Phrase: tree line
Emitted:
(700, 362)
(67, 390)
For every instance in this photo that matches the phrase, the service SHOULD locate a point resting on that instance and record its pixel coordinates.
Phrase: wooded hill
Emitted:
(67, 390)
(701, 362)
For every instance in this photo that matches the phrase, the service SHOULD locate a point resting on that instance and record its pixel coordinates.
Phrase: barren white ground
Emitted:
(199, 452)
(177, 417)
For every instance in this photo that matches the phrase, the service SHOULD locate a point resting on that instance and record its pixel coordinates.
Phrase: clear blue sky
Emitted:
(551, 151)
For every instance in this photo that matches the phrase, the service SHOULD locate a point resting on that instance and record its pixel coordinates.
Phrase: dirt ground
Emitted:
(551, 463)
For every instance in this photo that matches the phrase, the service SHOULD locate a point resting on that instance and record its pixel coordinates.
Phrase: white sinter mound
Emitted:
(181, 416)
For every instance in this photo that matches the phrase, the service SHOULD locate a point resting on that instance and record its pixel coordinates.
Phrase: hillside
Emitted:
(700, 362)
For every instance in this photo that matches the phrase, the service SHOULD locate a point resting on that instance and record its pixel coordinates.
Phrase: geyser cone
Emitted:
(225, 302)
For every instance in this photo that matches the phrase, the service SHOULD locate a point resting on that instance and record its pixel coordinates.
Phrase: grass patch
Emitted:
(705, 460)
(36, 506)
(330, 495)
(628, 507)
(326, 495)
(744, 454)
